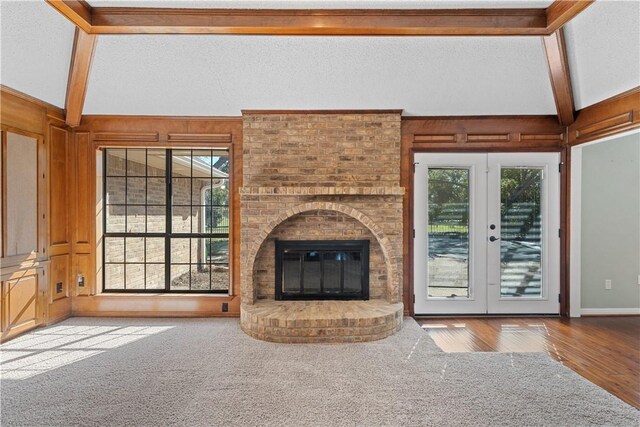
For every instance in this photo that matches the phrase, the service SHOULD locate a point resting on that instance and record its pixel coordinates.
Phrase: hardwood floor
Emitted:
(604, 350)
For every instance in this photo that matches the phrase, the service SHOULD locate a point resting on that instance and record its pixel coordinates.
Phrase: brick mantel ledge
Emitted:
(319, 191)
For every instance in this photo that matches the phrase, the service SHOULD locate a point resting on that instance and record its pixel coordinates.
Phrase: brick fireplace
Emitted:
(321, 176)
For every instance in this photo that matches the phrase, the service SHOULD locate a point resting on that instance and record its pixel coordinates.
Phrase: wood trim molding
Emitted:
(556, 55)
(326, 22)
(18, 107)
(83, 49)
(618, 114)
(510, 133)
(282, 112)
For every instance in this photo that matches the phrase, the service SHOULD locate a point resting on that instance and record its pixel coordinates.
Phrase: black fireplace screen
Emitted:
(322, 269)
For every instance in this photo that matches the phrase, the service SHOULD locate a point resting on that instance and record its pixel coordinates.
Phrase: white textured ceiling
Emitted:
(220, 75)
(35, 49)
(603, 46)
(326, 4)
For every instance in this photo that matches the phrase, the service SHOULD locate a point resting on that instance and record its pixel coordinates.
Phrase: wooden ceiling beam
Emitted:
(83, 49)
(77, 11)
(556, 54)
(329, 22)
(562, 11)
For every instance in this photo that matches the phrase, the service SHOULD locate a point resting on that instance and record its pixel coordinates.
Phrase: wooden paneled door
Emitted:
(486, 233)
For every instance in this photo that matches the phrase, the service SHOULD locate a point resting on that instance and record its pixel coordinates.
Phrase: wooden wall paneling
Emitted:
(84, 161)
(81, 57)
(466, 134)
(21, 305)
(83, 265)
(617, 114)
(60, 207)
(347, 22)
(3, 191)
(59, 277)
(558, 64)
(21, 196)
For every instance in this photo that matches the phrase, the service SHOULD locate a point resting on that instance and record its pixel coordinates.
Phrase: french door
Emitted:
(486, 233)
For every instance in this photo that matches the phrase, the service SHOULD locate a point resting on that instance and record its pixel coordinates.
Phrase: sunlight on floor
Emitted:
(510, 338)
(44, 350)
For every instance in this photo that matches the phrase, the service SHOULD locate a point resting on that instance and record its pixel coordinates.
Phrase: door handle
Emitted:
(493, 238)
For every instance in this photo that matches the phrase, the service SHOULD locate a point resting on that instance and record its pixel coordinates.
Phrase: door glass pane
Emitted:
(520, 232)
(448, 263)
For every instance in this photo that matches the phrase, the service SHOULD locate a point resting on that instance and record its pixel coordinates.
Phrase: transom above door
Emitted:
(486, 233)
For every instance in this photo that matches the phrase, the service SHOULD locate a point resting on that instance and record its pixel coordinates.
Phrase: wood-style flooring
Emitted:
(604, 350)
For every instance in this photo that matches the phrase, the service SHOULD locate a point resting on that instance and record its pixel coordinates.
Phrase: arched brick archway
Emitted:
(392, 287)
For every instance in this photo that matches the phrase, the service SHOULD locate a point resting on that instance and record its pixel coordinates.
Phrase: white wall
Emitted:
(610, 226)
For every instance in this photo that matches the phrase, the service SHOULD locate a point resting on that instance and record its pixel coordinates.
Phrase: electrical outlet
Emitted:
(607, 284)
(225, 307)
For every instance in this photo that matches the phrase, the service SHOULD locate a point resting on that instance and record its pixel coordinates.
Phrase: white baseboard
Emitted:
(609, 311)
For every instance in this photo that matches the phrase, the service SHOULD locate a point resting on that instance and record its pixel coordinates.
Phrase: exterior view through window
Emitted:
(166, 220)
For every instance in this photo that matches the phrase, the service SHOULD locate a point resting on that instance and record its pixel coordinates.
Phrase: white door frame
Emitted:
(478, 229)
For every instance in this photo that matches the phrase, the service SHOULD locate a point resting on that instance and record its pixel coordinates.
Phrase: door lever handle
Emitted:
(493, 238)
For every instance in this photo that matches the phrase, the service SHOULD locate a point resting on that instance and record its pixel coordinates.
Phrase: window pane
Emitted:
(156, 219)
(136, 191)
(156, 191)
(181, 163)
(181, 219)
(115, 218)
(218, 251)
(136, 219)
(156, 162)
(136, 162)
(155, 276)
(448, 232)
(521, 232)
(181, 188)
(134, 276)
(154, 249)
(134, 250)
(180, 277)
(180, 251)
(116, 162)
(116, 188)
(114, 276)
(114, 249)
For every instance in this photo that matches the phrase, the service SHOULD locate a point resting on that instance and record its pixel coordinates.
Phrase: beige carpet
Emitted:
(154, 372)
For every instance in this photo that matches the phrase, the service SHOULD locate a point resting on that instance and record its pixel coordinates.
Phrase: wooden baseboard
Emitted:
(610, 312)
(155, 305)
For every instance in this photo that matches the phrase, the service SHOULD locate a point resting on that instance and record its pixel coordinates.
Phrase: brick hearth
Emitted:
(321, 177)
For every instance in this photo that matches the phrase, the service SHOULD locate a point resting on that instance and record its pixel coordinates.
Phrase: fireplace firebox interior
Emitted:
(322, 269)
